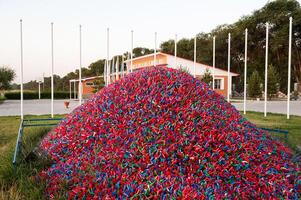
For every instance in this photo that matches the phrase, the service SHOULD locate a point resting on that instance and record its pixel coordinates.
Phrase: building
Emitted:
(88, 85)
(163, 59)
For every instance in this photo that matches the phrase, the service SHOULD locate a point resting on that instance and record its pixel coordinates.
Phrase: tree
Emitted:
(140, 51)
(7, 75)
(254, 89)
(98, 84)
(207, 77)
(96, 68)
(277, 14)
(273, 80)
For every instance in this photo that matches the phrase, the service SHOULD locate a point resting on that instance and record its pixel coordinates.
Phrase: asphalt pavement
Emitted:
(36, 107)
(272, 106)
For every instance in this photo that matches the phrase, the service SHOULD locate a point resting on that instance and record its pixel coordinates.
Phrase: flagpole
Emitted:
(105, 73)
(245, 70)
(155, 50)
(132, 38)
(229, 62)
(122, 66)
(176, 50)
(74, 89)
(39, 90)
(43, 81)
(127, 67)
(266, 69)
(213, 62)
(109, 71)
(117, 68)
(70, 89)
(52, 69)
(80, 65)
(108, 55)
(289, 66)
(21, 70)
(194, 58)
(113, 66)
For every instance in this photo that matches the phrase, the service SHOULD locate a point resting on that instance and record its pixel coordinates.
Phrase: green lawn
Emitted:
(18, 184)
(279, 121)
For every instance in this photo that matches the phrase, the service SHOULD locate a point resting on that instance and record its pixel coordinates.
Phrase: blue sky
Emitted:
(167, 17)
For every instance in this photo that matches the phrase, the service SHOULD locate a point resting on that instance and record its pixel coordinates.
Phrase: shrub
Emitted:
(35, 95)
(273, 80)
(57, 95)
(254, 85)
(207, 77)
(26, 95)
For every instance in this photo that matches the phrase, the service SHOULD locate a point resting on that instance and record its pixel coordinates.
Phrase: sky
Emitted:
(166, 17)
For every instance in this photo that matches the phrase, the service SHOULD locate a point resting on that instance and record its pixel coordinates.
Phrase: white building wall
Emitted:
(188, 65)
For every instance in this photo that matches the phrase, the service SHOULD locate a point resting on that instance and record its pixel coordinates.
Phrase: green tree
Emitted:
(277, 14)
(207, 77)
(254, 89)
(96, 68)
(98, 84)
(273, 80)
(141, 51)
(7, 75)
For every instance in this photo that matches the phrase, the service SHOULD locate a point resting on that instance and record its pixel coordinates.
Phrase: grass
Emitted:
(19, 184)
(279, 121)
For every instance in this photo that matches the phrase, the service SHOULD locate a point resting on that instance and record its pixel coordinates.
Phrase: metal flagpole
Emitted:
(21, 69)
(105, 72)
(74, 84)
(127, 67)
(155, 50)
(132, 38)
(43, 81)
(108, 67)
(245, 70)
(289, 66)
(70, 89)
(39, 89)
(194, 58)
(266, 69)
(109, 71)
(80, 66)
(229, 62)
(122, 66)
(176, 50)
(112, 67)
(117, 68)
(108, 55)
(213, 62)
(52, 69)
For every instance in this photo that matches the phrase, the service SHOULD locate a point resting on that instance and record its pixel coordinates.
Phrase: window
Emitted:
(89, 84)
(218, 84)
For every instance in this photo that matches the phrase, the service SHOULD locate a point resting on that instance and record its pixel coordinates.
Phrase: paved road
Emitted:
(272, 106)
(35, 107)
(39, 107)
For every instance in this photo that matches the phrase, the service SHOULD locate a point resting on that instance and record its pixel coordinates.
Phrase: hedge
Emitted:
(35, 95)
